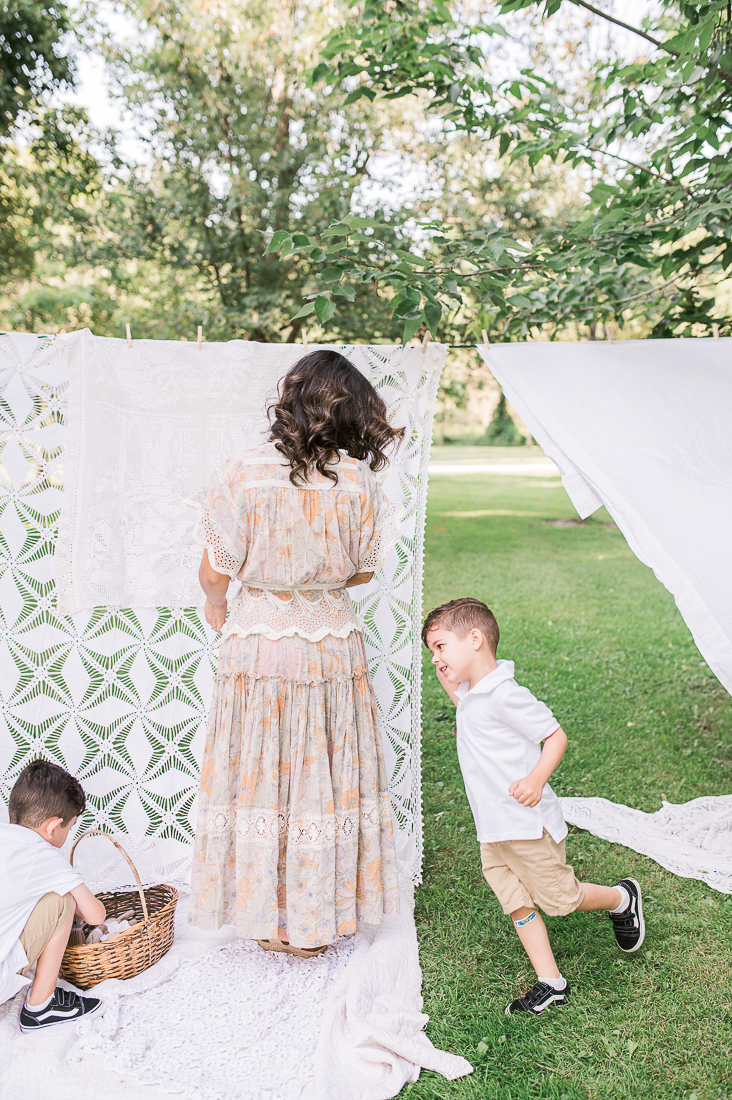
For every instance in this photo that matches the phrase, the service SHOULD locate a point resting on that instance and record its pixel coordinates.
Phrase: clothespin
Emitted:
(425, 340)
(304, 337)
(200, 337)
(609, 333)
(715, 330)
(485, 340)
(128, 330)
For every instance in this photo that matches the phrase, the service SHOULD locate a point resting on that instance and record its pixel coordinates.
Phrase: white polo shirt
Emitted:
(500, 726)
(29, 868)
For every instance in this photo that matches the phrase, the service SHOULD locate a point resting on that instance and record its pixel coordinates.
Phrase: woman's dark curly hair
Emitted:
(325, 406)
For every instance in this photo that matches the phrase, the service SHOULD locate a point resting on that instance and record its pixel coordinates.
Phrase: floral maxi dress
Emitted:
(294, 821)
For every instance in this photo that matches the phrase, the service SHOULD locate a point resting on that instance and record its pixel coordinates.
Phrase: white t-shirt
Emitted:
(499, 729)
(29, 868)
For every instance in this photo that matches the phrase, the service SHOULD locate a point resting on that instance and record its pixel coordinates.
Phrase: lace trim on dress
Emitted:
(207, 534)
(312, 614)
(385, 537)
(304, 831)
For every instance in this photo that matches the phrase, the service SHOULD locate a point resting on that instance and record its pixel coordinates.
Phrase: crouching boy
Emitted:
(41, 893)
(521, 830)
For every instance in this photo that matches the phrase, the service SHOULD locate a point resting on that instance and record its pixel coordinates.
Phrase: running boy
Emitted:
(40, 894)
(521, 830)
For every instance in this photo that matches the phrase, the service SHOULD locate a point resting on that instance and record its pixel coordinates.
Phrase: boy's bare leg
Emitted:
(598, 897)
(535, 940)
(49, 964)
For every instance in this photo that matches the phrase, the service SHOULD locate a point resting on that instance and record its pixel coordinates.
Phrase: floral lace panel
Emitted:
(207, 534)
(385, 536)
(308, 831)
(311, 614)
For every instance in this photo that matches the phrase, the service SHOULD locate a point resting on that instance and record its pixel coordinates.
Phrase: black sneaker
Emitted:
(629, 926)
(62, 1007)
(537, 999)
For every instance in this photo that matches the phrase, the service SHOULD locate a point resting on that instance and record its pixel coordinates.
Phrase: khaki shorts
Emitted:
(46, 921)
(530, 873)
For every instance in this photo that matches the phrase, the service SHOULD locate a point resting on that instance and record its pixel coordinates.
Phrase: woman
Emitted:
(294, 839)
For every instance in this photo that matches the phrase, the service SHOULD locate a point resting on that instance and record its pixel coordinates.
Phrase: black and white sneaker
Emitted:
(62, 1007)
(629, 926)
(538, 998)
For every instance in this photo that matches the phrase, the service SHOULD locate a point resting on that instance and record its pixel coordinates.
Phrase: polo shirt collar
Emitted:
(503, 671)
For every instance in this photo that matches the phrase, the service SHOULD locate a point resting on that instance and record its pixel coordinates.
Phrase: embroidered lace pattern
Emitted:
(307, 833)
(310, 614)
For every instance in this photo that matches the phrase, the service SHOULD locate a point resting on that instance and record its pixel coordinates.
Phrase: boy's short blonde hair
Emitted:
(462, 616)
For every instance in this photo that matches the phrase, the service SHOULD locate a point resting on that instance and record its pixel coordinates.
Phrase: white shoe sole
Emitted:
(60, 1023)
(547, 1004)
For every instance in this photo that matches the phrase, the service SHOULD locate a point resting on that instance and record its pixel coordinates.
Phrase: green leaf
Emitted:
(519, 301)
(337, 230)
(411, 325)
(324, 309)
(301, 240)
(416, 261)
(482, 1048)
(433, 316)
(278, 239)
(319, 72)
(345, 291)
(306, 310)
(356, 222)
(330, 274)
(632, 1047)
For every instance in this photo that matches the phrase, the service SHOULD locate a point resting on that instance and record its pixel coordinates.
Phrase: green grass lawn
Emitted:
(595, 635)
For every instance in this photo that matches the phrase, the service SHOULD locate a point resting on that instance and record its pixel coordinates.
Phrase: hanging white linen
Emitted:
(643, 427)
(120, 694)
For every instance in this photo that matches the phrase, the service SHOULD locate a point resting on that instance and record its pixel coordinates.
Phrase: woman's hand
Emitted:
(215, 614)
(215, 585)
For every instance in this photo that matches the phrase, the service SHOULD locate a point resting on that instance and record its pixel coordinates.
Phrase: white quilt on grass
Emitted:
(219, 1019)
(645, 428)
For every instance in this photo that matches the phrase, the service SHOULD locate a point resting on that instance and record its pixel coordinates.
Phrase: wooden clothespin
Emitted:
(200, 337)
(304, 337)
(128, 330)
(609, 332)
(485, 340)
(425, 340)
(715, 330)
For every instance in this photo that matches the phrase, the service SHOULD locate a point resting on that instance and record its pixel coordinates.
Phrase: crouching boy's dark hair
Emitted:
(44, 790)
(462, 616)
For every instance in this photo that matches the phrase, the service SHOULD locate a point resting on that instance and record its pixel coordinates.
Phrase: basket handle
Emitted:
(99, 832)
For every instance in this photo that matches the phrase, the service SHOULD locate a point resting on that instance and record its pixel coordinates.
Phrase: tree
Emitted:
(656, 231)
(34, 61)
(240, 150)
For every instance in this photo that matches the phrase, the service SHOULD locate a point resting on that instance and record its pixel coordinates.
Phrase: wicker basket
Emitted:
(135, 949)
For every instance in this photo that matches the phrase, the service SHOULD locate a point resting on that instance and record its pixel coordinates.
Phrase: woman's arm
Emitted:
(215, 585)
(358, 578)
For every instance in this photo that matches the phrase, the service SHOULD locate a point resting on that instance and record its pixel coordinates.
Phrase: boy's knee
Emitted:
(51, 916)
